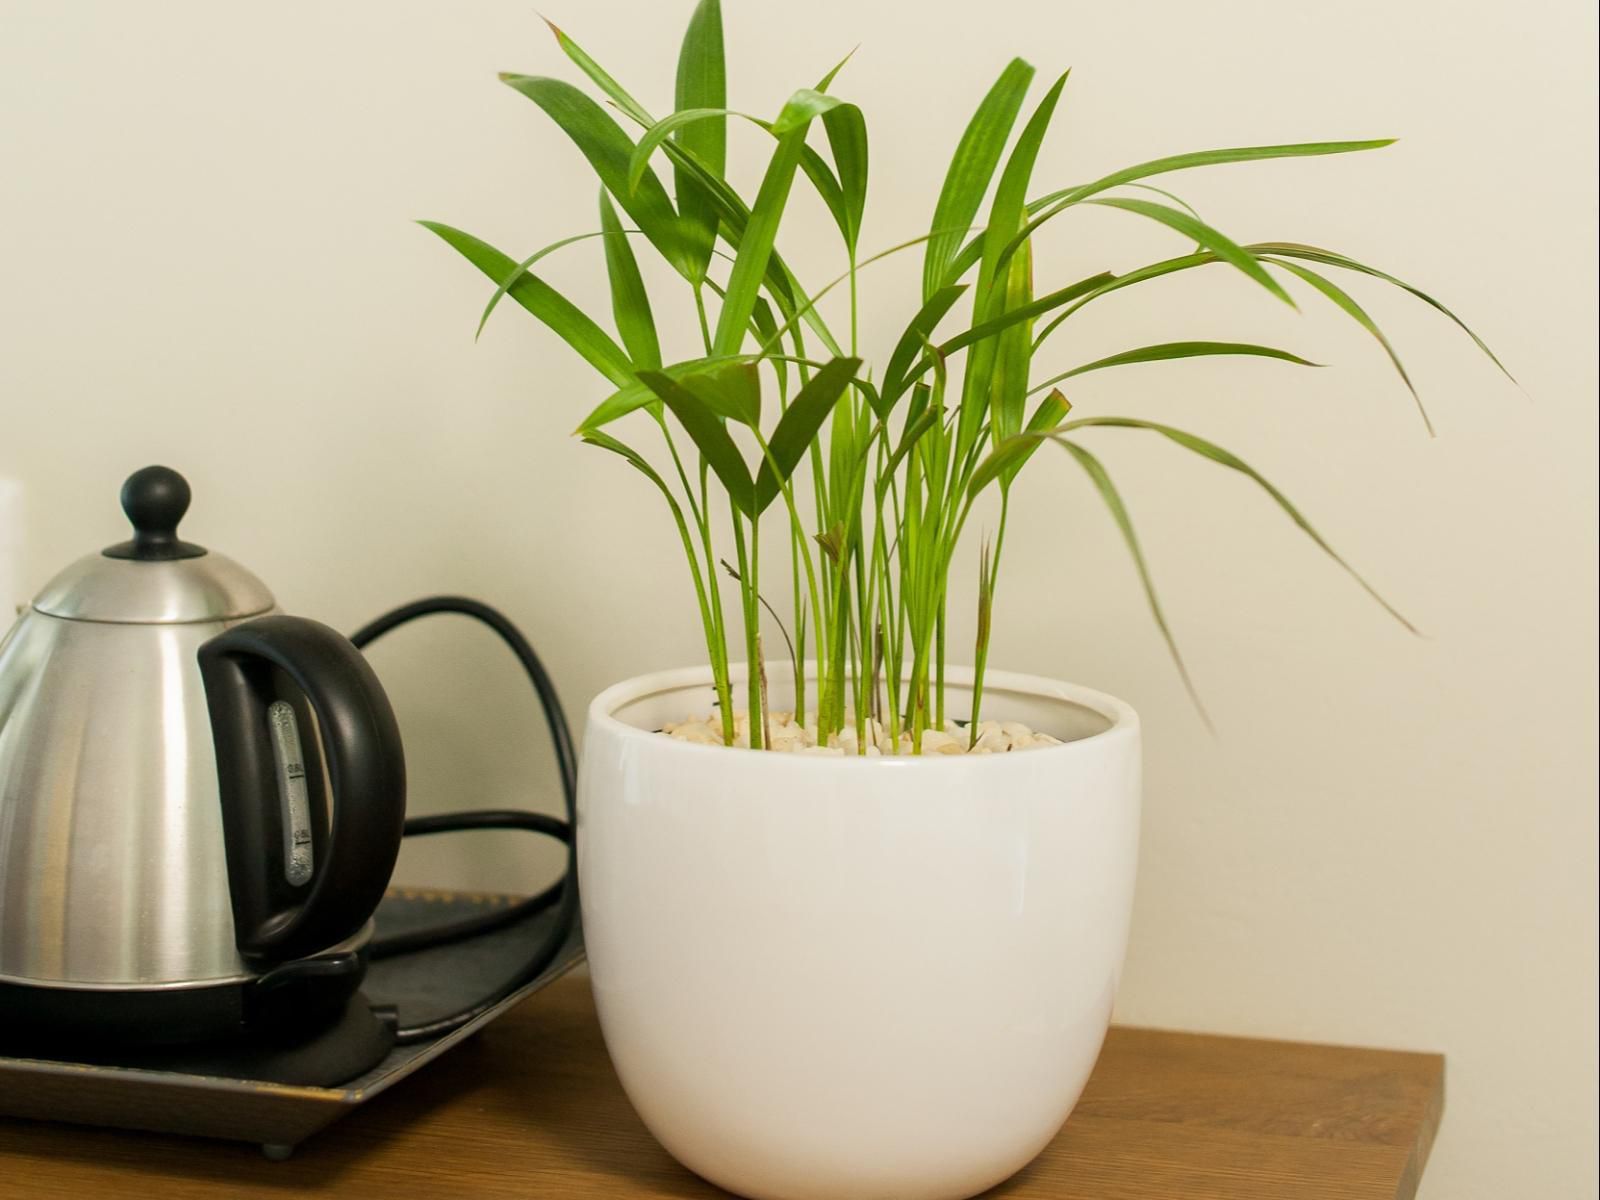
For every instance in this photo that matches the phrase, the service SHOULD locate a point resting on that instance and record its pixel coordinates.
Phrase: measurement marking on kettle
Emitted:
(290, 764)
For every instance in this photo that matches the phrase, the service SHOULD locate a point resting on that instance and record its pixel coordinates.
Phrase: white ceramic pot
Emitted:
(841, 979)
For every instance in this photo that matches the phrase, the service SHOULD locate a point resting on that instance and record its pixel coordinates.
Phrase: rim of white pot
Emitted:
(1120, 718)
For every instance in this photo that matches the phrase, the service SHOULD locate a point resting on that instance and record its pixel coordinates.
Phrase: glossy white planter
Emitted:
(843, 979)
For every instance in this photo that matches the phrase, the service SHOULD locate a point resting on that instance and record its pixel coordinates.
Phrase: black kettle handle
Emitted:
(284, 909)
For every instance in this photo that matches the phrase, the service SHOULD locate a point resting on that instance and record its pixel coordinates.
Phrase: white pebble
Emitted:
(991, 740)
(792, 734)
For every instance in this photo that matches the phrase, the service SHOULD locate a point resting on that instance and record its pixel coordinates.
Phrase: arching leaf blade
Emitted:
(1203, 158)
(1127, 279)
(1008, 389)
(1053, 204)
(1217, 454)
(1119, 513)
(522, 266)
(1333, 259)
(827, 80)
(730, 390)
(599, 76)
(1347, 303)
(996, 371)
(676, 123)
(972, 166)
(1011, 194)
(609, 152)
(915, 427)
(735, 215)
(1166, 351)
(1028, 311)
(1052, 410)
(801, 108)
(564, 318)
(798, 426)
(1213, 240)
(846, 130)
(915, 336)
(630, 302)
(709, 435)
(755, 247)
(634, 395)
(828, 189)
(702, 84)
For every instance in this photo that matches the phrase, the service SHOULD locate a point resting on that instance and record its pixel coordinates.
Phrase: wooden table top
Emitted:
(531, 1107)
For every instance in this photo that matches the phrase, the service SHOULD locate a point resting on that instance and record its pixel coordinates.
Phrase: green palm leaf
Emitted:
(798, 427)
(601, 78)
(609, 151)
(709, 434)
(630, 303)
(1033, 308)
(568, 321)
(678, 123)
(634, 395)
(756, 245)
(933, 310)
(522, 266)
(1232, 461)
(973, 165)
(1219, 244)
(702, 84)
(1054, 203)
(1127, 279)
(731, 210)
(1205, 158)
(1119, 513)
(996, 371)
(1333, 259)
(846, 130)
(1347, 303)
(731, 390)
(1052, 410)
(1166, 351)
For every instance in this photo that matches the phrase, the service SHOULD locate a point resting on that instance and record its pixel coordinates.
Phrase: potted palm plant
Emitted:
(879, 957)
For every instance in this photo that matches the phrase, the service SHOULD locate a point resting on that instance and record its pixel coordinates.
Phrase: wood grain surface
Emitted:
(531, 1108)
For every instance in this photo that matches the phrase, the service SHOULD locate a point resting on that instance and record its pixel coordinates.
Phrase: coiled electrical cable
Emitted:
(564, 893)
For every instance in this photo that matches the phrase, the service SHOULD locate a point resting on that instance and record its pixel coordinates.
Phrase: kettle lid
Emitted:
(154, 577)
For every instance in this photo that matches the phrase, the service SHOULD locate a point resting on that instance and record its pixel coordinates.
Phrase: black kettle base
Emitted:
(352, 1045)
(328, 1054)
(254, 1092)
(284, 1005)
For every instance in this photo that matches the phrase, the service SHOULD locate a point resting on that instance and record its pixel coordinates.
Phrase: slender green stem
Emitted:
(799, 544)
(683, 478)
(796, 541)
(986, 601)
(713, 633)
(864, 650)
(710, 593)
(855, 302)
(705, 325)
(747, 589)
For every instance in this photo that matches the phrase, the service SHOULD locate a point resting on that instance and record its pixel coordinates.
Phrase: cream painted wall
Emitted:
(208, 261)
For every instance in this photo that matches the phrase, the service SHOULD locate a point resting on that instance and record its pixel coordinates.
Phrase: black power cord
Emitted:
(563, 893)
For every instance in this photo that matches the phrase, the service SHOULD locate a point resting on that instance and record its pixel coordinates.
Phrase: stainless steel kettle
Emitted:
(201, 799)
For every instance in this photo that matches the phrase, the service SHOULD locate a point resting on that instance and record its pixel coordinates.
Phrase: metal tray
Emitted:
(423, 985)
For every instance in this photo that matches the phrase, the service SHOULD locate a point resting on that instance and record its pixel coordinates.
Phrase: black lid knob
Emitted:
(155, 499)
